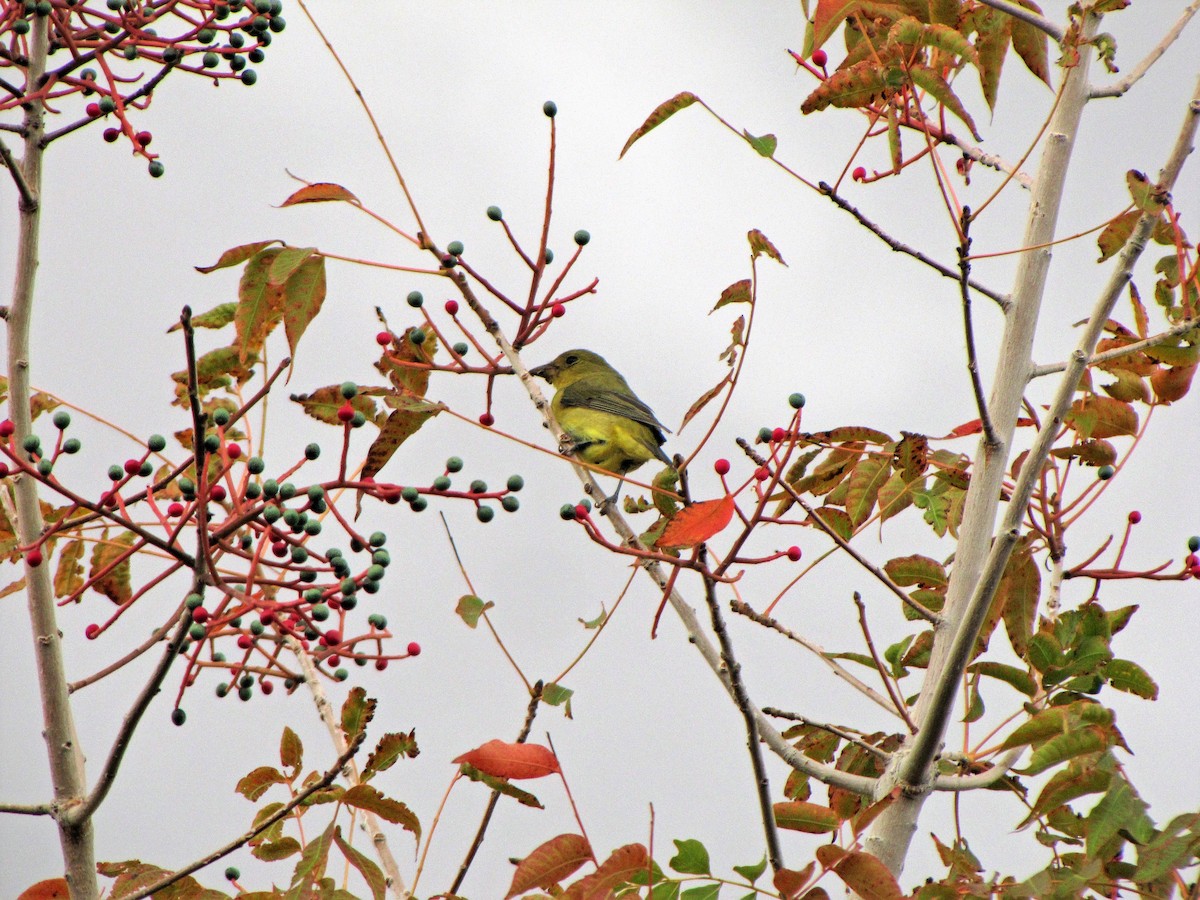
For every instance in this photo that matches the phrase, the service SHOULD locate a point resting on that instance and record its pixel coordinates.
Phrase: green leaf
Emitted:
(291, 749)
(390, 748)
(370, 872)
(255, 784)
(937, 87)
(754, 872)
(68, 577)
(828, 16)
(702, 892)
(1067, 785)
(993, 31)
(1116, 234)
(109, 573)
(323, 404)
(236, 256)
(260, 305)
(217, 317)
(1075, 743)
(763, 146)
(1119, 810)
(499, 784)
(865, 482)
(557, 695)
(907, 571)
(400, 425)
(856, 86)
(661, 113)
(1146, 195)
(470, 608)
(1029, 42)
(691, 858)
(1042, 726)
(1018, 593)
(1126, 675)
(1010, 675)
(304, 293)
(357, 712)
(286, 262)
(312, 861)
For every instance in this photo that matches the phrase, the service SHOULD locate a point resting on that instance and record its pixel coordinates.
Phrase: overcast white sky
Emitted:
(869, 337)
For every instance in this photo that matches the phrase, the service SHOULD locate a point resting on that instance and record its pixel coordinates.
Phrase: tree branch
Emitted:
(29, 200)
(1118, 88)
(1040, 22)
(964, 267)
(1117, 352)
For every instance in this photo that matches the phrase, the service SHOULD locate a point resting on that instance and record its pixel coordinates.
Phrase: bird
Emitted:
(609, 426)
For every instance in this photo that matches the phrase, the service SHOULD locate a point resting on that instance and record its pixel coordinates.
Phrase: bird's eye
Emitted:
(571, 360)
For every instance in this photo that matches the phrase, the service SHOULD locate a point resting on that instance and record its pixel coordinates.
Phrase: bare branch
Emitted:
(29, 200)
(964, 267)
(1117, 88)
(1000, 299)
(1053, 29)
(21, 809)
(1117, 352)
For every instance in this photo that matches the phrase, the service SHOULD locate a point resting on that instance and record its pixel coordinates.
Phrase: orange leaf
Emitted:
(695, 524)
(623, 865)
(319, 193)
(501, 759)
(1171, 384)
(863, 873)
(550, 863)
(50, 889)
(790, 883)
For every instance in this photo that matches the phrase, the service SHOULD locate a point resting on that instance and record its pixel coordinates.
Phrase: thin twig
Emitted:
(1117, 88)
(924, 612)
(29, 200)
(319, 785)
(877, 752)
(1000, 299)
(530, 713)
(964, 268)
(744, 609)
(1117, 352)
(741, 698)
(22, 809)
(887, 680)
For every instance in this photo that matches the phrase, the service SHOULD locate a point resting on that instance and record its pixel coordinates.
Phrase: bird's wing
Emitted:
(587, 396)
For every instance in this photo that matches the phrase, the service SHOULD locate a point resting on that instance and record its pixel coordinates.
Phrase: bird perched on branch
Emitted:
(607, 423)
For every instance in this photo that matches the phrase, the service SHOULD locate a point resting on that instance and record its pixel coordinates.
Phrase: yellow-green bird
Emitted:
(610, 427)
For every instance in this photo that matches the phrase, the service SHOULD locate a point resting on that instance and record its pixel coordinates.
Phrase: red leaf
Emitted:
(695, 524)
(1171, 384)
(863, 873)
(319, 193)
(623, 865)
(553, 861)
(50, 889)
(501, 759)
(236, 256)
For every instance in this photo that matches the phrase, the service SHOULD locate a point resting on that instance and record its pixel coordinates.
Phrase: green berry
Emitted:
(454, 464)
(409, 494)
(455, 247)
(178, 716)
(212, 443)
(381, 557)
(244, 694)
(44, 467)
(515, 482)
(348, 603)
(415, 299)
(548, 256)
(62, 419)
(249, 77)
(271, 514)
(485, 513)
(270, 488)
(253, 490)
(796, 401)
(478, 486)
(582, 237)
(210, 60)
(374, 573)
(206, 35)
(196, 631)
(567, 511)
(157, 443)
(71, 445)
(461, 348)
(312, 595)
(255, 465)
(222, 689)
(417, 336)
(377, 539)
(299, 555)
(510, 503)
(494, 213)
(257, 628)
(377, 620)
(218, 657)
(550, 108)
(358, 421)
(107, 104)
(287, 490)
(32, 443)
(115, 473)
(349, 389)
(764, 435)
(319, 612)
(341, 674)
(1194, 543)
(312, 527)
(146, 470)
(156, 169)
(348, 586)
(441, 483)
(419, 504)
(1106, 472)
(186, 485)
(278, 23)
(246, 680)
(232, 873)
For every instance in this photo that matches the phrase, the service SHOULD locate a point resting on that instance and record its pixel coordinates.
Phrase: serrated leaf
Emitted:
(622, 866)
(391, 747)
(550, 863)
(1119, 810)
(323, 404)
(236, 256)
(1063, 747)
(357, 712)
(661, 113)
(1102, 417)
(260, 304)
(68, 577)
(703, 401)
(291, 749)
(855, 86)
(320, 193)
(916, 569)
(993, 30)
(760, 245)
(256, 783)
(1010, 675)
(364, 796)
(863, 873)
(864, 484)
(1018, 594)
(1064, 786)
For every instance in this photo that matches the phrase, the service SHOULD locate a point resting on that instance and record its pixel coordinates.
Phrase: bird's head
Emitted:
(571, 366)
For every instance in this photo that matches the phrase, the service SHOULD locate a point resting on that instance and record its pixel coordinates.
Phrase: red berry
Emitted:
(93, 110)
(762, 474)
(859, 173)
(558, 310)
(793, 553)
(1135, 517)
(132, 466)
(345, 412)
(381, 664)
(267, 686)
(819, 58)
(487, 420)
(778, 435)
(200, 614)
(175, 510)
(3, 469)
(452, 307)
(91, 631)
(33, 558)
(144, 137)
(1195, 571)
(721, 467)
(1191, 561)
(279, 548)
(111, 134)
(245, 642)
(332, 637)
(334, 603)
(7, 428)
(414, 649)
(383, 338)
(233, 450)
(217, 493)
(581, 511)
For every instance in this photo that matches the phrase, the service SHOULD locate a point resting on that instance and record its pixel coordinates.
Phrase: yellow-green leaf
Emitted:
(661, 113)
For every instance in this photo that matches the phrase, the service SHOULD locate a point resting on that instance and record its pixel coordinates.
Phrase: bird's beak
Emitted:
(546, 372)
